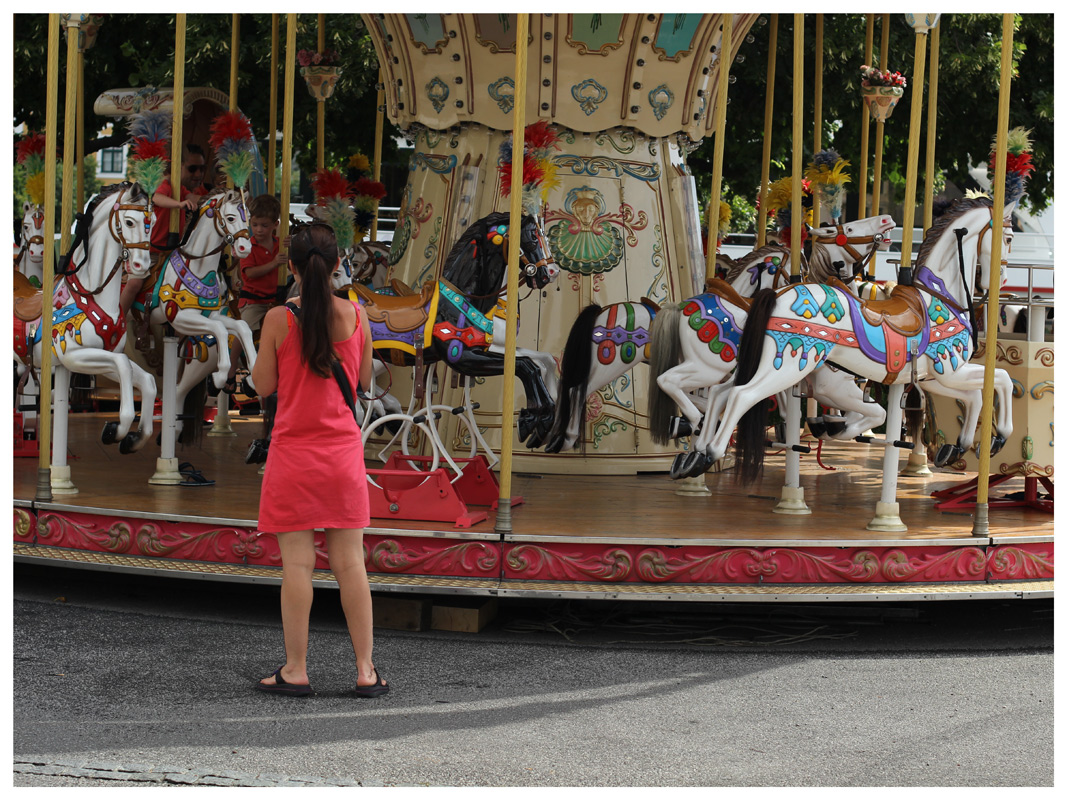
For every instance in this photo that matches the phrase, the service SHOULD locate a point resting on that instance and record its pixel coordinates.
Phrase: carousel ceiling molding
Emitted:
(653, 73)
(126, 102)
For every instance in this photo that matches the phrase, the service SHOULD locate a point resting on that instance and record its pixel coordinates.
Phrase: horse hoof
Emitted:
(995, 445)
(696, 463)
(555, 444)
(676, 467)
(817, 427)
(948, 454)
(110, 434)
(834, 424)
(526, 424)
(130, 443)
(680, 426)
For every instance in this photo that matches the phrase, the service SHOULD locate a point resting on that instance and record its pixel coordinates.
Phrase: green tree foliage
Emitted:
(136, 50)
(968, 87)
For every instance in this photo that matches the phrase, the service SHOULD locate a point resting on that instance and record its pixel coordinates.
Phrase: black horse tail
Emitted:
(915, 416)
(193, 415)
(751, 429)
(574, 375)
(665, 353)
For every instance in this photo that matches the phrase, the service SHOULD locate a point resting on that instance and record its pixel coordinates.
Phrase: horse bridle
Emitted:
(38, 221)
(841, 239)
(209, 210)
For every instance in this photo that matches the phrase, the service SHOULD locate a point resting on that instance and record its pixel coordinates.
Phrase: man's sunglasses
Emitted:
(194, 168)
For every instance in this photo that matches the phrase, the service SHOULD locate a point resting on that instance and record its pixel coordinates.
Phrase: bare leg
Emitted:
(298, 561)
(345, 546)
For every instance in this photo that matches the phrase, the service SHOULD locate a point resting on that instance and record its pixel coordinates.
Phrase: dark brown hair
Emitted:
(314, 253)
(265, 206)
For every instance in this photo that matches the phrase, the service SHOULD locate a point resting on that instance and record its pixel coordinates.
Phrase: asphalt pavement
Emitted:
(139, 681)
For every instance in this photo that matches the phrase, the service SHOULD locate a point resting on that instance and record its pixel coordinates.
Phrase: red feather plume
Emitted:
(32, 144)
(369, 188)
(329, 183)
(230, 125)
(143, 148)
(539, 136)
(531, 173)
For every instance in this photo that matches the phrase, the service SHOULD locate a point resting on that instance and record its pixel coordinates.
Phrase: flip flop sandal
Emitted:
(376, 689)
(281, 687)
(193, 476)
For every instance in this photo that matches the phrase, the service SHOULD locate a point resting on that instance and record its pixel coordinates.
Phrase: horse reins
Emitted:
(841, 239)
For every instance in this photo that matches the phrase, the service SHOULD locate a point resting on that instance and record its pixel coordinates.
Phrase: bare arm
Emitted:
(366, 363)
(272, 334)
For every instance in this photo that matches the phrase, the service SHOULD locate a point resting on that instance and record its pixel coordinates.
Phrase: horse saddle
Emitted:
(401, 313)
(29, 300)
(904, 311)
(400, 289)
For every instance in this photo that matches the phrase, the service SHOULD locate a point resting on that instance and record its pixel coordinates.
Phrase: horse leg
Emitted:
(540, 406)
(240, 329)
(839, 390)
(115, 366)
(971, 398)
(192, 322)
(146, 385)
(1005, 423)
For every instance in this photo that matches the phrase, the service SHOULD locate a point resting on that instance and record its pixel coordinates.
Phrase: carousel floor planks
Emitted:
(586, 536)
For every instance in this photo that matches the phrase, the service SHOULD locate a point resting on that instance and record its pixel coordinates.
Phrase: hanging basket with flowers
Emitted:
(320, 71)
(881, 91)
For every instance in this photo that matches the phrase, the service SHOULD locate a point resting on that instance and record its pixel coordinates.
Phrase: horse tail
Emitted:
(665, 345)
(574, 371)
(914, 416)
(751, 428)
(193, 415)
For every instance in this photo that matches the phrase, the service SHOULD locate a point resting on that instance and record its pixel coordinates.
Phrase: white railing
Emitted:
(387, 217)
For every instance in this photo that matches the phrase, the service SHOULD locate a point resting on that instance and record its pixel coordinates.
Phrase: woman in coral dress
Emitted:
(315, 477)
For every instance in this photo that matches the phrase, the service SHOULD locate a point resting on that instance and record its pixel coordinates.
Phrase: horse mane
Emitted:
(466, 270)
(108, 191)
(945, 221)
(219, 190)
(739, 265)
(820, 268)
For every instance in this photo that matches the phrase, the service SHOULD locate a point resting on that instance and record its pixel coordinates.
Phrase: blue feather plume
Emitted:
(151, 125)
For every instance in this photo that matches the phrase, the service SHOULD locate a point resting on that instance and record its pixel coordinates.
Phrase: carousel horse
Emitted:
(921, 335)
(88, 332)
(30, 258)
(370, 264)
(190, 291)
(461, 319)
(605, 343)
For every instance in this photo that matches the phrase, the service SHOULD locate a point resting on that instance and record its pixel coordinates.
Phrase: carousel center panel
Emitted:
(609, 537)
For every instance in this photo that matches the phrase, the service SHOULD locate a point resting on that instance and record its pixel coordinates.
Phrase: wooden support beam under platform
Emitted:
(609, 537)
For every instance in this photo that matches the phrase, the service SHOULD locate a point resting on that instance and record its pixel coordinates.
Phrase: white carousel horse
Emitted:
(30, 258)
(369, 264)
(88, 332)
(921, 335)
(190, 292)
(605, 343)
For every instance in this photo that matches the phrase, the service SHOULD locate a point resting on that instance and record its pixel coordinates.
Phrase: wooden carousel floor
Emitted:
(603, 537)
(621, 508)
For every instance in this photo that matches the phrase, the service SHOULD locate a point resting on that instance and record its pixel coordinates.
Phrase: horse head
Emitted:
(127, 215)
(341, 277)
(226, 210)
(766, 267)
(985, 249)
(33, 238)
(958, 245)
(845, 249)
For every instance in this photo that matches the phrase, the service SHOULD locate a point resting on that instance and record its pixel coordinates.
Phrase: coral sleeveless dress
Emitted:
(315, 476)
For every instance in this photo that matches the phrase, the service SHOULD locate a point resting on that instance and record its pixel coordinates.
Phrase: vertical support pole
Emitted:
(879, 128)
(887, 511)
(287, 131)
(507, 406)
(44, 423)
(235, 57)
(792, 501)
(768, 116)
(320, 108)
(80, 204)
(272, 115)
(720, 134)
(167, 464)
(70, 133)
(817, 123)
(60, 472)
(176, 125)
(931, 130)
(912, 174)
(379, 130)
(797, 222)
(985, 426)
(865, 124)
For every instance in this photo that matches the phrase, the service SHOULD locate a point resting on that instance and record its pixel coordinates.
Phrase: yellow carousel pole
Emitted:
(817, 142)
(272, 115)
(518, 145)
(931, 130)
(178, 111)
(379, 130)
(235, 52)
(981, 508)
(797, 221)
(70, 131)
(768, 114)
(320, 159)
(879, 128)
(720, 136)
(912, 173)
(287, 129)
(865, 124)
(81, 126)
(44, 422)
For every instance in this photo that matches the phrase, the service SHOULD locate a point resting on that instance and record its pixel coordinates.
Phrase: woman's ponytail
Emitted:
(314, 252)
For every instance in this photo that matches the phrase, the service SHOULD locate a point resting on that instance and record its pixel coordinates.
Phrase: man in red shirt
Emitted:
(192, 181)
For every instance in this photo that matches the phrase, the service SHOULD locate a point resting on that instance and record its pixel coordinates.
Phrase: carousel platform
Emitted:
(607, 537)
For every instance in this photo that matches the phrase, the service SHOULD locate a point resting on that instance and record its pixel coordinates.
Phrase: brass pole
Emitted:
(320, 160)
(272, 115)
(931, 130)
(379, 131)
(235, 55)
(865, 124)
(518, 144)
(797, 221)
(817, 142)
(287, 130)
(768, 115)
(720, 136)
(912, 176)
(44, 421)
(879, 128)
(81, 130)
(70, 134)
(981, 508)
(178, 114)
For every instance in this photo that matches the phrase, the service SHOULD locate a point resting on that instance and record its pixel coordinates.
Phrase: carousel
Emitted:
(633, 458)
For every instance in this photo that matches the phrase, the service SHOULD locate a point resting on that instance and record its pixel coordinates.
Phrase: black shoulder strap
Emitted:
(338, 372)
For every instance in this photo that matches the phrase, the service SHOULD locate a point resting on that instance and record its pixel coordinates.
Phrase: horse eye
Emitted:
(129, 223)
